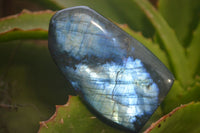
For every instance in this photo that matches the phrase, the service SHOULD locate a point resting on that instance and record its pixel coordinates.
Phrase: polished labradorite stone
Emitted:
(111, 71)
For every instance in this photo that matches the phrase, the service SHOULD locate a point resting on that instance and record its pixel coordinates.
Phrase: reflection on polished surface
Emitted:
(115, 74)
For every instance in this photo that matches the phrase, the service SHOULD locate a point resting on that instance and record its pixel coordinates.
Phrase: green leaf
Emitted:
(179, 95)
(184, 19)
(18, 34)
(30, 86)
(193, 51)
(49, 4)
(26, 20)
(26, 25)
(132, 15)
(173, 47)
(153, 47)
(74, 117)
(184, 119)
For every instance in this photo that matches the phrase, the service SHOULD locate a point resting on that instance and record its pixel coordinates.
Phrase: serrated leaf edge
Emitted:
(25, 11)
(44, 123)
(156, 124)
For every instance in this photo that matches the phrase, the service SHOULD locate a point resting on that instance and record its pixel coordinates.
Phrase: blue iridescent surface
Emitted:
(112, 72)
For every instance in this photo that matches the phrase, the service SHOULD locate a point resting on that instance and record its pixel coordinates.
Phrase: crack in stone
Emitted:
(115, 83)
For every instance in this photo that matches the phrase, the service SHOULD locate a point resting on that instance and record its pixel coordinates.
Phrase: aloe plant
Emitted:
(31, 85)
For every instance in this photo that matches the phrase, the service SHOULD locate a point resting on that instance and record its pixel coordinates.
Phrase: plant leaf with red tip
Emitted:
(25, 25)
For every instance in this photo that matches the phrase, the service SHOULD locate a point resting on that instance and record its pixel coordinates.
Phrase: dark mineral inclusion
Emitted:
(111, 71)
